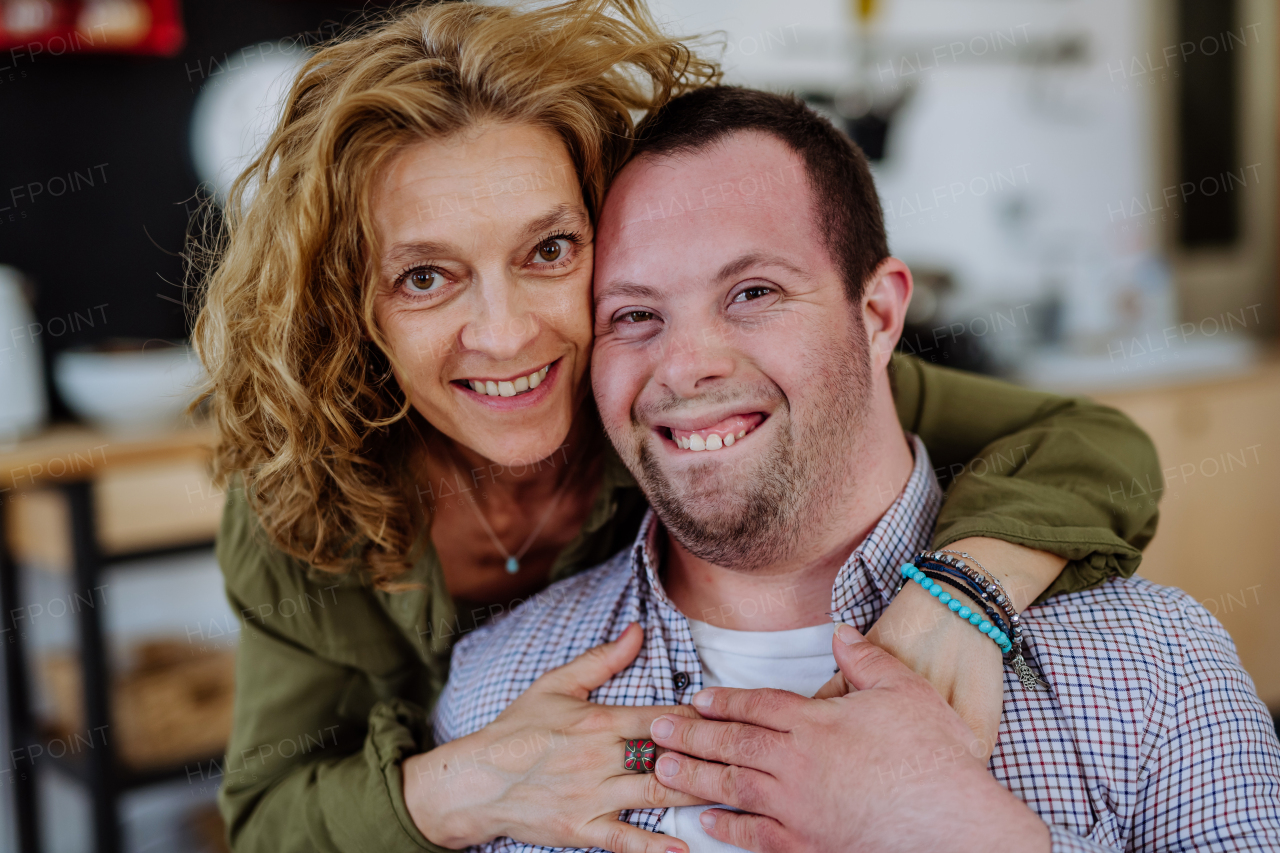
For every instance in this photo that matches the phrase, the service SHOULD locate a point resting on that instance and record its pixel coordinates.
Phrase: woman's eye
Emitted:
(423, 280)
(752, 293)
(552, 251)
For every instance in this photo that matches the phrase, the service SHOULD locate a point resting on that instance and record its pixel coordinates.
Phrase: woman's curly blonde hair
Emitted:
(301, 393)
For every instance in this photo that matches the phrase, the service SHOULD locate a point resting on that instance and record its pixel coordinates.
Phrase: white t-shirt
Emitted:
(798, 660)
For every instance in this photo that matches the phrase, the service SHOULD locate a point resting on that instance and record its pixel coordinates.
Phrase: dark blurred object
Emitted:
(1208, 122)
(54, 27)
(208, 829)
(97, 185)
(864, 118)
(927, 333)
(173, 706)
(870, 132)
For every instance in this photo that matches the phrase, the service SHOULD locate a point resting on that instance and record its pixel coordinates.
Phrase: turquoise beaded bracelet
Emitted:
(1000, 638)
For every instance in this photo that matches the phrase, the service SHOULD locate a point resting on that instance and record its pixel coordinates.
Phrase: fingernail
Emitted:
(702, 700)
(668, 766)
(674, 850)
(662, 728)
(707, 819)
(848, 635)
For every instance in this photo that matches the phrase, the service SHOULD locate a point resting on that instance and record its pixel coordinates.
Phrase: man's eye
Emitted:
(636, 317)
(552, 251)
(752, 293)
(423, 280)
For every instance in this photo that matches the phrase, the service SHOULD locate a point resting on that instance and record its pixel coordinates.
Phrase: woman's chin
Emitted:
(517, 456)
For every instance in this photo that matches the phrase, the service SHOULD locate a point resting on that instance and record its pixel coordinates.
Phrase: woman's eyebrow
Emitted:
(405, 252)
(563, 215)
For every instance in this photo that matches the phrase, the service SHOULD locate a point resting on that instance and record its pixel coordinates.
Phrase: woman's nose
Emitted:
(502, 324)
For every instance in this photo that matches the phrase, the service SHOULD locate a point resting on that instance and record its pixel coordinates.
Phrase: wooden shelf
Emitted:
(1218, 532)
(151, 492)
(68, 452)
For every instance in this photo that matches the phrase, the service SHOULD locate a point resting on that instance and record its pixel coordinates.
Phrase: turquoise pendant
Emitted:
(513, 565)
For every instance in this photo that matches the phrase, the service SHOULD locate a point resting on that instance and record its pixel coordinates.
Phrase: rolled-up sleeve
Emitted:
(1052, 473)
(314, 761)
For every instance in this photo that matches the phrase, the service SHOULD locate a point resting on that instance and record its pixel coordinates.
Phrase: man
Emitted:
(746, 311)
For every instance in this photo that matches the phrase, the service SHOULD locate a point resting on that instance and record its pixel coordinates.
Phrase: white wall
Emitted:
(1012, 176)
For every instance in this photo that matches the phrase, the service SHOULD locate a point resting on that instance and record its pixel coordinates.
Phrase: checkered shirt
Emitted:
(1152, 736)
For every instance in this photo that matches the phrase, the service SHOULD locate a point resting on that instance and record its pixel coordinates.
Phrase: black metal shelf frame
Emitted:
(97, 767)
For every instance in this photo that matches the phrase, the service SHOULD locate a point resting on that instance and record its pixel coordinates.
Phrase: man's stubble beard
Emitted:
(761, 516)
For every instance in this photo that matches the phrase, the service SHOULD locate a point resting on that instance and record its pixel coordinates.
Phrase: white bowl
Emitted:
(134, 391)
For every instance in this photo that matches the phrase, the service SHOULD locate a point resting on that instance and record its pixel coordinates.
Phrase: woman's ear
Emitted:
(884, 308)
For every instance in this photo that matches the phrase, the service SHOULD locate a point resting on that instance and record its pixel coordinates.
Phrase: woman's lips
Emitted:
(507, 397)
(720, 434)
(508, 387)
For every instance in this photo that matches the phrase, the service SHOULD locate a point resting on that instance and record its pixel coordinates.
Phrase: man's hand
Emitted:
(888, 767)
(964, 666)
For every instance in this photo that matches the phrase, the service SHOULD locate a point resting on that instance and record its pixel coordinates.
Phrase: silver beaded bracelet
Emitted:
(995, 593)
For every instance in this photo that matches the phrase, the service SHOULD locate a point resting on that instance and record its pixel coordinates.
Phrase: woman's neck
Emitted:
(483, 514)
(451, 467)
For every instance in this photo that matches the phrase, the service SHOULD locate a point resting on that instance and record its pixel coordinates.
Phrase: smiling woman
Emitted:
(397, 326)
(487, 310)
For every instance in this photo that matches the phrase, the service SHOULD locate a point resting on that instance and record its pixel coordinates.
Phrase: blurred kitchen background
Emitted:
(1085, 189)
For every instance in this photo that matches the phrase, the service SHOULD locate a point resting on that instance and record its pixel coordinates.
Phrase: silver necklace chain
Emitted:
(513, 560)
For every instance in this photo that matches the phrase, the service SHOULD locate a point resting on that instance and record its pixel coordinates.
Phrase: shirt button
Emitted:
(681, 680)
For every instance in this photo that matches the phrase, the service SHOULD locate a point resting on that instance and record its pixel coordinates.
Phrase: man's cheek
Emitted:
(608, 390)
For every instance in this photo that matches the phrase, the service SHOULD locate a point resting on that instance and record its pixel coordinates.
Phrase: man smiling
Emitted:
(746, 309)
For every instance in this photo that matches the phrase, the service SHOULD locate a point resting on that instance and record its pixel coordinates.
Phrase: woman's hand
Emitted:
(548, 770)
(965, 667)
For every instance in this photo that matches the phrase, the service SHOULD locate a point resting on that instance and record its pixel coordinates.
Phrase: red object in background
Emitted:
(58, 27)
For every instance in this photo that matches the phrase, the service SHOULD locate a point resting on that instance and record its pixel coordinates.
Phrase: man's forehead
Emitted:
(675, 219)
(744, 169)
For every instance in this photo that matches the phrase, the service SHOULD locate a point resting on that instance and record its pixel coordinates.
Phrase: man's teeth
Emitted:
(713, 441)
(489, 388)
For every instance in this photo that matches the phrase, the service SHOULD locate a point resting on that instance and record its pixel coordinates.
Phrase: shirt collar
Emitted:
(902, 532)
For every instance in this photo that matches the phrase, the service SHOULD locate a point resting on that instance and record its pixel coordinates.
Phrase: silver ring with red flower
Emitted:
(641, 755)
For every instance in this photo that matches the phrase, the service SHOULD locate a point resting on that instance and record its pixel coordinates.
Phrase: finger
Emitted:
(728, 743)
(773, 709)
(836, 686)
(741, 787)
(865, 665)
(609, 833)
(646, 791)
(636, 722)
(593, 667)
(748, 831)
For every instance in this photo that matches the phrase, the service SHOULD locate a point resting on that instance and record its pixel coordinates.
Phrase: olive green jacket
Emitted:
(335, 679)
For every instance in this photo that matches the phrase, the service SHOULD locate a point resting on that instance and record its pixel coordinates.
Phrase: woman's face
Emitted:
(484, 286)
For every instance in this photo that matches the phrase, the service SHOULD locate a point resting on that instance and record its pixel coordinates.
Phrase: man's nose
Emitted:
(502, 323)
(692, 357)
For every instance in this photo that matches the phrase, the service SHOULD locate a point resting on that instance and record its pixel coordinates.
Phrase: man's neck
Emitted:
(796, 592)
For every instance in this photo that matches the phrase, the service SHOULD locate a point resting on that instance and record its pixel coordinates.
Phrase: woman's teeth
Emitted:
(711, 441)
(489, 388)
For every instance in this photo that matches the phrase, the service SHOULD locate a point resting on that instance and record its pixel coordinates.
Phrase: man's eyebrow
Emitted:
(736, 267)
(730, 270)
(631, 289)
(561, 216)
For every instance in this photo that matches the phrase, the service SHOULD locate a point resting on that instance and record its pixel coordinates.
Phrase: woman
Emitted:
(398, 331)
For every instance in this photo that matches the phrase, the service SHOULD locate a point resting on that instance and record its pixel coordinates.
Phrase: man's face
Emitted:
(730, 369)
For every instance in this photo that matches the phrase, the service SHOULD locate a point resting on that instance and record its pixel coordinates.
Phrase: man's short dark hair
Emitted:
(846, 206)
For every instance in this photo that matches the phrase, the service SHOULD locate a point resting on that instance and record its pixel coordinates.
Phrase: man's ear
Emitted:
(884, 308)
